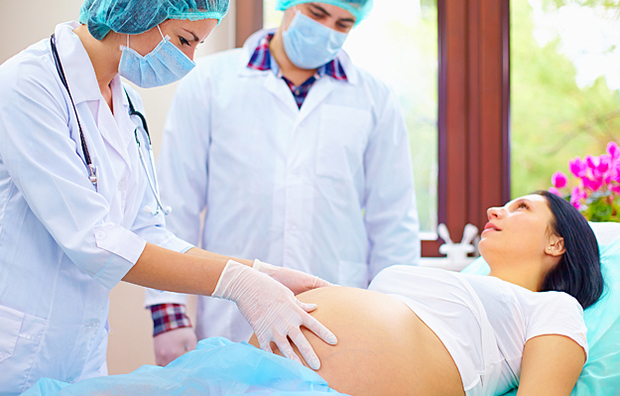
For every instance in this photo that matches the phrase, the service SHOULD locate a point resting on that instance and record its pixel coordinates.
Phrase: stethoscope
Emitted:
(92, 169)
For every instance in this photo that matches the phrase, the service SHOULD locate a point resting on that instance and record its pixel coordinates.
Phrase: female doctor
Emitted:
(79, 203)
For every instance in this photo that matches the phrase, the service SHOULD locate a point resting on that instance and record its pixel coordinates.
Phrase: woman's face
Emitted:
(185, 34)
(519, 229)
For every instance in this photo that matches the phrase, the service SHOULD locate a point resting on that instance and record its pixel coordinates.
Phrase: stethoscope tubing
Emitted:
(152, 182)
(92, 169)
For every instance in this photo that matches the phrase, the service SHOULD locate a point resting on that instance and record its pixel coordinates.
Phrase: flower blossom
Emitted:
(613, 150)
(577, 167)
(604, 163)
(559, 179)
(596, 189)
(591, 184)
(576, 196)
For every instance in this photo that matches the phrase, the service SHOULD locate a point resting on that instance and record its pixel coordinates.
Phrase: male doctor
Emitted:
(295, 155)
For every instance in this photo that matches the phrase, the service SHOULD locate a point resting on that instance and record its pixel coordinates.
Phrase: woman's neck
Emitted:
(289, 70)
(527, 273)
(104, 55)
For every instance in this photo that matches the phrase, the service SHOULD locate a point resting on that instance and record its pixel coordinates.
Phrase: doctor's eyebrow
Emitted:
(321, 9)
(196, 39)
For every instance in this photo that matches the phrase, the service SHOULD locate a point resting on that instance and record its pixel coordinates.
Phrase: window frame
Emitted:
(473, 109)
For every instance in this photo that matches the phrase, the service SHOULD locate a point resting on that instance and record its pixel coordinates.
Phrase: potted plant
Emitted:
(595, 190)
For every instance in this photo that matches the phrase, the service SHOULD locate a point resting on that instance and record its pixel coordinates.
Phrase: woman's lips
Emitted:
(490, 227)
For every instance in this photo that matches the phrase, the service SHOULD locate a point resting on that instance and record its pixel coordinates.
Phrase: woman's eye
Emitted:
(183, 41)
(522, 205)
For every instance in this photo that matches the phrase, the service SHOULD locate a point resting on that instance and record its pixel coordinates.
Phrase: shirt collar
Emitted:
(262, 60)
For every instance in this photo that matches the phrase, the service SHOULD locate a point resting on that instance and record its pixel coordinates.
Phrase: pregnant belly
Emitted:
(383, 347)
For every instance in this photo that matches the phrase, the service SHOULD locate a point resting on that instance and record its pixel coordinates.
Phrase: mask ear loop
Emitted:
(162, 35)
(123, 47)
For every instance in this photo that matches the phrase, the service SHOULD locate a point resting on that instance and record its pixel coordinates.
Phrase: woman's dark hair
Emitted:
(579, 271)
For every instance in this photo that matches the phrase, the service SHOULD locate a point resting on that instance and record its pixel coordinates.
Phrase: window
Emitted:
(565, 85)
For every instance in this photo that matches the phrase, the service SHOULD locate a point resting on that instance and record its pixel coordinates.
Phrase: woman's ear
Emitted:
(556, 247)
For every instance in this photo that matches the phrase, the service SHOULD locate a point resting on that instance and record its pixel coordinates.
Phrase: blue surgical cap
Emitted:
(359, 8)
(138, 16)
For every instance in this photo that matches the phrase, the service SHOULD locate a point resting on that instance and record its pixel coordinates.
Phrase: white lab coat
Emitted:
(326, 189)
(63, 245)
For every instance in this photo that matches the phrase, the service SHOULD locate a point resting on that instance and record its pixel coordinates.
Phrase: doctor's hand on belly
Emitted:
(383, 347)
(298, 282)
(265, 299)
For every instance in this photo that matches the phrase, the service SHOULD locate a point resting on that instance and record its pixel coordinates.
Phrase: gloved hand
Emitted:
(174, 343)
(272, 310)
(297, 281)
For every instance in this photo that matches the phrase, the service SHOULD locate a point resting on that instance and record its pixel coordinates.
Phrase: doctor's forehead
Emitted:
(331, 10)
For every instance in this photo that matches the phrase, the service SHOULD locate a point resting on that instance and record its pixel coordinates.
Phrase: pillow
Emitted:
(605, 231)
(601, 374)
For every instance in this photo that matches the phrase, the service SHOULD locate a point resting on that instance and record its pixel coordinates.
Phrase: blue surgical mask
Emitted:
(164, 65)
(309, 44)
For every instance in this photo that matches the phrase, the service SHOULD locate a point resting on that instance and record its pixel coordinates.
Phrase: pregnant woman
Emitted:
(424, 331)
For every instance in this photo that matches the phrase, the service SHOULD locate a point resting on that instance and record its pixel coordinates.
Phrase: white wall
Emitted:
(24, 23)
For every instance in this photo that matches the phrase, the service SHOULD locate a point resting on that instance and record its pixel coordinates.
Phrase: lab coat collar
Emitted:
(319, 91)
(76, 63)
(252, 42)
(121, 116)
(84, 87)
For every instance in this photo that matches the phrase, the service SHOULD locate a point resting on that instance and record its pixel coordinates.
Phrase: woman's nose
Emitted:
(494, 213)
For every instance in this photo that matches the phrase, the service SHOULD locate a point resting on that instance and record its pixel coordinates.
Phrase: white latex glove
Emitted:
(174, 343)
(273, 311)
(297, 281)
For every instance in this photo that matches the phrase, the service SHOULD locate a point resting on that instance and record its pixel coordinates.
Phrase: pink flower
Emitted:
(613, 150)
(604, 163)
(595, 176)
(577, 167)
(559, 180)
(576, 196)
(591, 162)
(591, 184)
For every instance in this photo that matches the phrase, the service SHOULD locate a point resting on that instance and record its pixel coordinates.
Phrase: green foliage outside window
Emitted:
(553, 119)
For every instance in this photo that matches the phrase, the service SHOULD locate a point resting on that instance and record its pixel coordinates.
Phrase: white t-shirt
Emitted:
(484, 322)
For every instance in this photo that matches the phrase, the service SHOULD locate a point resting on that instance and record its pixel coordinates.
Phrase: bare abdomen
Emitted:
(383, 347)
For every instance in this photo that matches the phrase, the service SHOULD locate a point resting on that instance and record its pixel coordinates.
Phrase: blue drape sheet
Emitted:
(217, 367)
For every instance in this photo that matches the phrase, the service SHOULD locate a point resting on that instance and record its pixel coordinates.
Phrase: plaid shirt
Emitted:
(168, 317)
(262, 60)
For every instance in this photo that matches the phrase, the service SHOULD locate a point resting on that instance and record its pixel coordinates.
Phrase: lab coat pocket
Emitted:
(10, 325)
(353, 274)
(342, 140)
